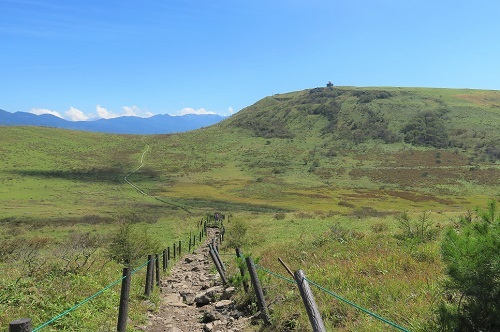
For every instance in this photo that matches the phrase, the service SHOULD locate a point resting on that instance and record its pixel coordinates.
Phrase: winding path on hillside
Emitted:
(138, 168)
(145, 193)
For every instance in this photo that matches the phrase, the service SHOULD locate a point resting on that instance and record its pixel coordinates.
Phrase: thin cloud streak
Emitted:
(199, 111)
(40, 111)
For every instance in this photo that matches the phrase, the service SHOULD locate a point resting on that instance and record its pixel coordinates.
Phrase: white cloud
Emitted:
(230, 110)
(130, 110)
(199, 111)
(103, 113)
(40, 111)
(74, 114)
(135, 111)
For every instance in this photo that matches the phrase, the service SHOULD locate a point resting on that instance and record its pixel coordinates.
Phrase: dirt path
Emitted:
(141, 163)
(193, 299)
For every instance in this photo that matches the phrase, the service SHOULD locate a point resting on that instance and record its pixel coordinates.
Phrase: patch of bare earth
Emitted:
(194, 299)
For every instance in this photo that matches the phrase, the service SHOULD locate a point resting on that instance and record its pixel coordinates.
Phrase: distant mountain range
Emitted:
(158, 124)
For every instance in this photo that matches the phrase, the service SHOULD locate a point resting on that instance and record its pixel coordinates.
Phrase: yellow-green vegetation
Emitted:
(370, 261)
(319, 177)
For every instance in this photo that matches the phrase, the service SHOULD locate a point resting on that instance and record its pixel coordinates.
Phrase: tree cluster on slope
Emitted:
(426, 129)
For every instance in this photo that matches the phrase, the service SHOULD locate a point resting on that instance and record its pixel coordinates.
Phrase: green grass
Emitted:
(356, 259)
(273, 158)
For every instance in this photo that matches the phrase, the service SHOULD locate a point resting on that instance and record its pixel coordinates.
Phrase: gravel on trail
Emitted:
(194, 299)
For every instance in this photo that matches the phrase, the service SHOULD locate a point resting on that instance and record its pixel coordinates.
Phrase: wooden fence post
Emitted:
(168, 253)
(149, 272)
(124, 297)
(180, 243)
(175, 250)
(261, 301)
(242, 271)
(217, 265)
(164, 260)
(20, 325)
(221, 263)
(189, 248)
(157, 265)
(309, 302)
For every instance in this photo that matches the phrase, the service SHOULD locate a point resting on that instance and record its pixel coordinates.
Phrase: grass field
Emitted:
(309, 185)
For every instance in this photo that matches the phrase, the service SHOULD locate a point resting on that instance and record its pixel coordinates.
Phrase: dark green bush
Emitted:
(426, 129)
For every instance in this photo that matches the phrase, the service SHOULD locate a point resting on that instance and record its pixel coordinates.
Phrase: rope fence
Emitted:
(152, 263)
(299, 279)
(292, 281)
(86, 300)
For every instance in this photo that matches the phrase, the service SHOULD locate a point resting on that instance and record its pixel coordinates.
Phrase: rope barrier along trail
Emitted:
(275, 274)
(334, 295)
(357, 306)
(86, 300)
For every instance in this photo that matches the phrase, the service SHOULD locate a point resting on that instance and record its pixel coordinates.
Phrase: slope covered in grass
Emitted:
(341, 149)
(316, 176)
(323, 149)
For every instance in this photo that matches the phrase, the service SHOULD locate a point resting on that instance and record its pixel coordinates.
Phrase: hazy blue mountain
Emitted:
(158, 124)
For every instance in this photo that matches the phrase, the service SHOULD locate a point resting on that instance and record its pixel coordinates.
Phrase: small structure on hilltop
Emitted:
(329, 84)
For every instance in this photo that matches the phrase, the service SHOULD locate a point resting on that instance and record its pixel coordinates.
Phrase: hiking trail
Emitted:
(193, 298)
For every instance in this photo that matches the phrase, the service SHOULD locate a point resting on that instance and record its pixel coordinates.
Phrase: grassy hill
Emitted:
(317, 177)
(321, 149)
(341, 149)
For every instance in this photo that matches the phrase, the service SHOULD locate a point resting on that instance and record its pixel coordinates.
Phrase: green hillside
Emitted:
(322, 149)
(343, 148)
(318, 177)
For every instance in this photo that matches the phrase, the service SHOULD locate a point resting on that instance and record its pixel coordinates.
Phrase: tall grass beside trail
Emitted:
(47, 274)
(370, 262)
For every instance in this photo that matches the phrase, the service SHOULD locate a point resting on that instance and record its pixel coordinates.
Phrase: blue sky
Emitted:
(92, 59)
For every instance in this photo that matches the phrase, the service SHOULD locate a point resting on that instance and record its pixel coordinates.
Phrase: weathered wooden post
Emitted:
(180, 243)
(157, 265)
(175, 250)
(261, 301)
(20, 325)
(152, 273)
(189, 247)
(221, 263)
(124, 297)
(149, 271)
(168, 253)
(217, 265)
(194, 240)
(309, 302)
(242, 270)
(164, 260)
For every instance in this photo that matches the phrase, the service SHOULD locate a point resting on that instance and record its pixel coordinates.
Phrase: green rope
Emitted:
(86, 300)
(335, 295)
(275, 274)
(140, 267)
(357, 306)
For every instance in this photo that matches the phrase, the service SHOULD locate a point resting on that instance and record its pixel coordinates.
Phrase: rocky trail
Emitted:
(194, 299)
